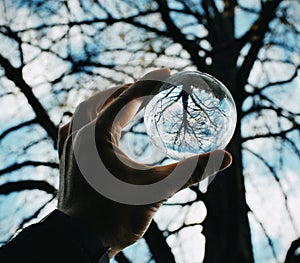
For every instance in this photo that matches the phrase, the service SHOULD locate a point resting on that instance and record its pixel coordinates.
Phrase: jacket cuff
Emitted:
(60, 222)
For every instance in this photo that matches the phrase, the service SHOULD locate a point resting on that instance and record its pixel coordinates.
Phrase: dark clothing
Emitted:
(56, 239)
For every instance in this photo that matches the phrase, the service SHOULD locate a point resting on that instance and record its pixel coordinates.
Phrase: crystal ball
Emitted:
(192, 113)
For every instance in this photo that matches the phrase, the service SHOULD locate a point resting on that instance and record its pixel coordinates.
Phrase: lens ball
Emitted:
(192, 113)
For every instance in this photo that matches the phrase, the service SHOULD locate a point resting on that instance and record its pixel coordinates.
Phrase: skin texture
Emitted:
(117, 225)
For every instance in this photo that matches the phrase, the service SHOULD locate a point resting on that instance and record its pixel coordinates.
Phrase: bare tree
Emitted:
(53, 54)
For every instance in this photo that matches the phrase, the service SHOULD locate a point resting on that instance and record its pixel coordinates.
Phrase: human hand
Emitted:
(117, 224)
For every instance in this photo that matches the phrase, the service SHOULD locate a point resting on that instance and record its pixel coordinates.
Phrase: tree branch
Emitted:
(255, 36)
(16, 76)
(290, 256)
(260, 25)
(17, 166)
(277, 179)
(121, 258)
(11, 187)
(282, 82)
(190, 46)
(270, 242)
(271, 135)
(19, 126)
(182, 227)
(36, 213)
(158, 245)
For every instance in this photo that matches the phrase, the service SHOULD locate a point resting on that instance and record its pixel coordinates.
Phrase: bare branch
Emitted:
(291, 256)
(19, 126)
(281, 134)
(16, 76)
(36, 213)
(270, 242)
(121, 258)
(282, 82)
(158, 245)
(17, 166)
(190, 46)
(277, 179)
(11, 187)
(261, 24)
(182, 227)
(255, 36)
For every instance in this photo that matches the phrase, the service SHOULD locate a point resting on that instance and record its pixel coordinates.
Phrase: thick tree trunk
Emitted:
(291, 256)
(226, 226)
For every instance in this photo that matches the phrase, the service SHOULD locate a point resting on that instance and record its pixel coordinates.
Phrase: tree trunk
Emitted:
(226, 227)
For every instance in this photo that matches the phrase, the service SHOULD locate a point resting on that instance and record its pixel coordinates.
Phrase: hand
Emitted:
(116, 224)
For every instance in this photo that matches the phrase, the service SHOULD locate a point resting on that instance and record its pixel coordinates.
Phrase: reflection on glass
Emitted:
(193, 113)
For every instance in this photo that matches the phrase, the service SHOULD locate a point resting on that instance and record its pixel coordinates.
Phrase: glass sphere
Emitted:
(192, 113)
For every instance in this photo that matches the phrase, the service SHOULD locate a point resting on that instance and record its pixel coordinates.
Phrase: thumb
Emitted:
(208, 164)
(199, 166)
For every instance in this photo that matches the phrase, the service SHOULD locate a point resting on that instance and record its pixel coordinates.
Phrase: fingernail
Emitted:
(159, 74)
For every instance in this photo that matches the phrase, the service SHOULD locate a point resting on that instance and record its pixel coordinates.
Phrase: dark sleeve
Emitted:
(57, 238)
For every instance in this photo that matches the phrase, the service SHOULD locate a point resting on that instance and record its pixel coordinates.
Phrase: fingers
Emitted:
(117, 92)
(62, 136)
(124, 108)
(208, 164)
(184, 173)
(89, 109)
(199, 167)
